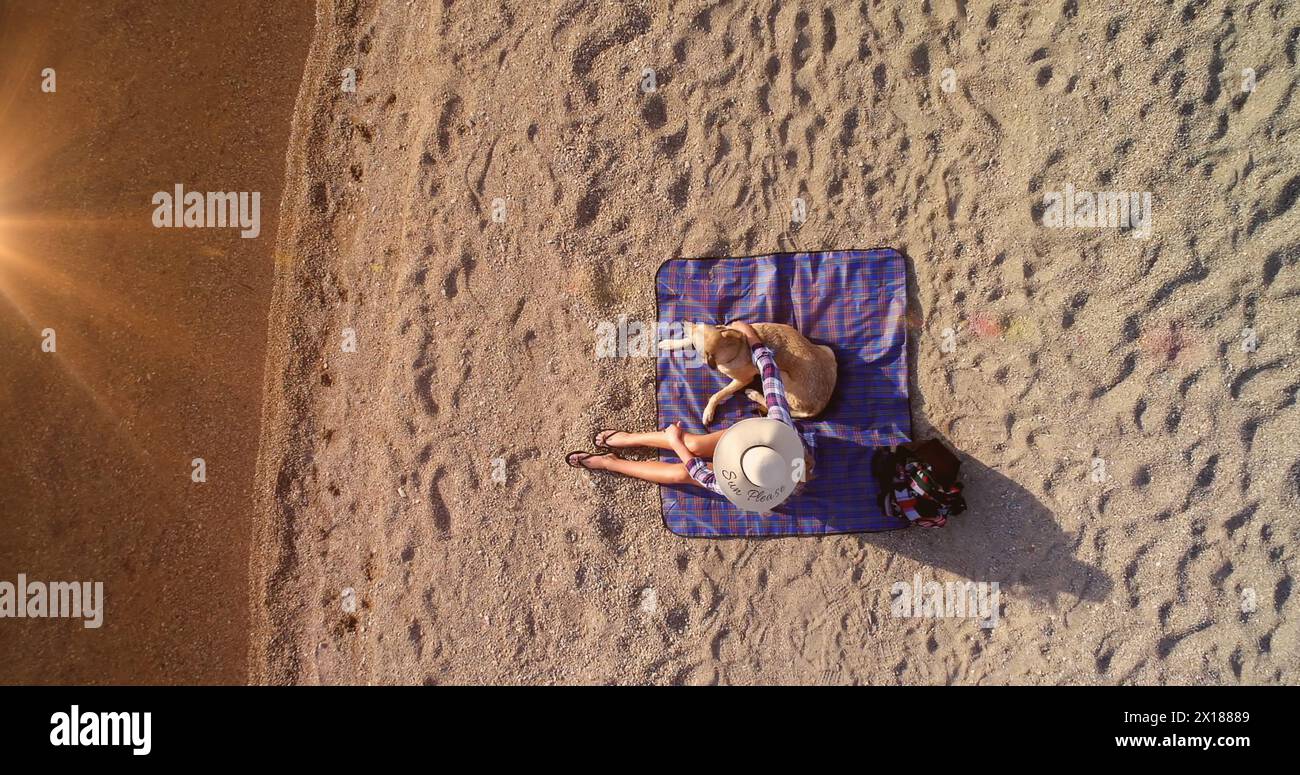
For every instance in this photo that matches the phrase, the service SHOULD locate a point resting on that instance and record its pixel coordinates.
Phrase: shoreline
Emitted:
(155, 350)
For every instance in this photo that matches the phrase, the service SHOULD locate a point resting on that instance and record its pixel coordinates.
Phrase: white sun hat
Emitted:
(758, 463)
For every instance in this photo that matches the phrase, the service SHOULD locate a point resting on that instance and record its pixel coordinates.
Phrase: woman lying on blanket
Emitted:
(757, 463)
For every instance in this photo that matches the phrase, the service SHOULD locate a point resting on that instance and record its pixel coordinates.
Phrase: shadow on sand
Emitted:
(1006, 534)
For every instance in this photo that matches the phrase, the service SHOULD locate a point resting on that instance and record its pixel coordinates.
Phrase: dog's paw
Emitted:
(708, 416)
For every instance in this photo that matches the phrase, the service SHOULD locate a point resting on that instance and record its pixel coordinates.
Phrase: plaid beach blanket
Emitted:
(854, 301)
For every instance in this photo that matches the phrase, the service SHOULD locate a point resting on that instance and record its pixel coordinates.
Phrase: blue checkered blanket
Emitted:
(855, 301)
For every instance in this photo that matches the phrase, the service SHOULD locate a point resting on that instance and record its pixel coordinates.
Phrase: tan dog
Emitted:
(807, 369)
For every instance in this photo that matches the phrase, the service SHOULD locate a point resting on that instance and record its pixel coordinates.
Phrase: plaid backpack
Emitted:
(919, 483)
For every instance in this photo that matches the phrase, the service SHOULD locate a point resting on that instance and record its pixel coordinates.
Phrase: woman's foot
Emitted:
(589, 460)
(605, 439)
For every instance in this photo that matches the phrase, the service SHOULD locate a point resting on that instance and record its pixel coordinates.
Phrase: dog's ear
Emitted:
(709, 359)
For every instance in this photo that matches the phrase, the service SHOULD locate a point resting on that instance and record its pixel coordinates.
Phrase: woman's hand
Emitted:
(750, 334)
(677, 442)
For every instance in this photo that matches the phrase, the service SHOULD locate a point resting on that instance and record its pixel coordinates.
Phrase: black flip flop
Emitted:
(568, 458)
(601, 444)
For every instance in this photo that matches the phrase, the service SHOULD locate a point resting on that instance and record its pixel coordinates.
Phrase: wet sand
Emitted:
(160, 332)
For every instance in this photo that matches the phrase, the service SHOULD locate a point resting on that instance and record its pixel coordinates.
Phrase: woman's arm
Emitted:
(765, 360)
(697, 468)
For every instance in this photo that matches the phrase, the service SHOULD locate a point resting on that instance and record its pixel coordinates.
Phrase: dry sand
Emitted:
(475, 339)
(159, 333)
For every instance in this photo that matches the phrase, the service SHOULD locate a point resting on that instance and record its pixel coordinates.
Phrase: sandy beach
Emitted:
(502, 181)
(1098, 203)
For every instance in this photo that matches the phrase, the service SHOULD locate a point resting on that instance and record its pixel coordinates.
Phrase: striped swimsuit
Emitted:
(777, 409)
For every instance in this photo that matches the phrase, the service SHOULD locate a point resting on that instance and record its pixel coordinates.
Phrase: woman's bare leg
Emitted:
(701, 445)
(646, 470)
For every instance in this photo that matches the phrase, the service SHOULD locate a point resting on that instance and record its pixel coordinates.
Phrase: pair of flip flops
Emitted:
(598, 440)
